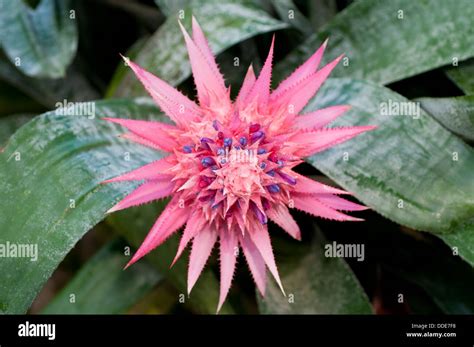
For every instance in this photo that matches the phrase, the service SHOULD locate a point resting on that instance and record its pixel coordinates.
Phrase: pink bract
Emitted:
(230, 164)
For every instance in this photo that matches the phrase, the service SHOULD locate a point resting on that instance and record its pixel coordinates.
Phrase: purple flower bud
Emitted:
(262, 218)
(257, 136)
(287, 178)
(273, 188)
(206, 140)
(207, 161)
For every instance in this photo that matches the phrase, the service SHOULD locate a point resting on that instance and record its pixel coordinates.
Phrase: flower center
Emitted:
(238, 167)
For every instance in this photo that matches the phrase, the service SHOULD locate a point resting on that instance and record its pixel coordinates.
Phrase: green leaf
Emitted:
(462, 242)
(134, 224)
(169, 7)
(102, 286)
(47, 164)
(321, 12)
(8, 125)
(385, 45)
(315, 284)
(290, 14)
(41, 42)
(455, 114)
(224, 23)
(410, 169)
(463, 76)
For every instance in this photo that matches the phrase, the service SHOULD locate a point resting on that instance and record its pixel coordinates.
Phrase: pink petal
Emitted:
(302, 72)
(281, 216)
(152, 171)
(203, 45)
(247, 85)
(138, 139)
(193, 226)
(147, 192)
(155, 132)
(339, 203)
(203, 243)
(318, 140)
(261, 239)
(312, 205)
(209, 82)
(171, 219)
(299, 94)
(306, 185)
(177, 106)
(255, 262)
(228, 257)
(320, 118)
(261, 89)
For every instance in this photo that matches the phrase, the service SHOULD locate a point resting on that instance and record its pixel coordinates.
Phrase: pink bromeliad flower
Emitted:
(230, 163)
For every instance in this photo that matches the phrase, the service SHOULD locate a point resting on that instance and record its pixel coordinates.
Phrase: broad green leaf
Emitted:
(170, 7)
(41, 42)
(102, 286)
(224, 23)
(321, 12)
(315, 284)
(387, 41)
(290, 14)
(462, 241)
(410, 169)
(74, 87)
(456, 114)
(134, 224)
(8, 125)
(50, 164)
(463, 76)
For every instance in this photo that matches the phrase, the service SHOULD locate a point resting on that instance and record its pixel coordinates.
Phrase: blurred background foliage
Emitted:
(419, 255)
